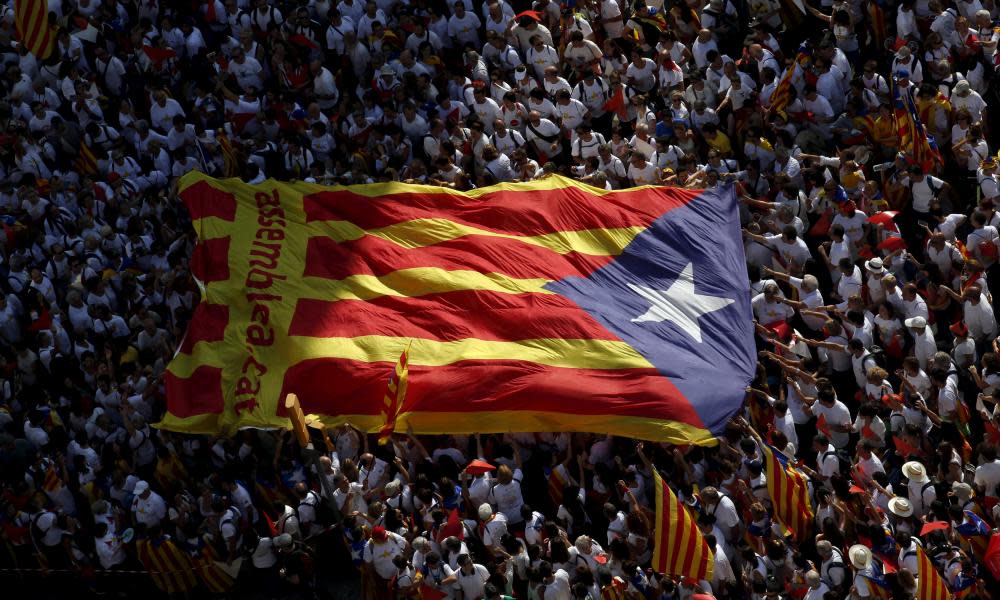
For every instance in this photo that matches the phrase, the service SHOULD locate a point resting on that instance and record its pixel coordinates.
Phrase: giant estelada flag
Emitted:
(542, 306)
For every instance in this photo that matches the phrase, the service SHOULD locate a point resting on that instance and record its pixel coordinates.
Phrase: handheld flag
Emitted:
(992, 558)
(541, 306)
(31, 19)
(789, 493)
(930, 585)
(395, 395)
(679, 549)
(782, 94)
(874, 575)
(85, 162)
(976, 532)
(913, 137)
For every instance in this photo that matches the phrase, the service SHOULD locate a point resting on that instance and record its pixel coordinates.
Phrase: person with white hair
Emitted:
(833, 571)
(817, 588)
(493, 526)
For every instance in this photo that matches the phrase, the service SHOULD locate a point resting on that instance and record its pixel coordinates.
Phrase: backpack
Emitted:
(37, 533)
(876, 355)
(843, 463)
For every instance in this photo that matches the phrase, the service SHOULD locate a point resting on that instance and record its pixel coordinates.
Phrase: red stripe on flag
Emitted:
(210, 260)
(208, 324)
(449, 316)
(203, 200)
(199, 394)
(685, 556)
(521, 212)
(370, 255)
(515, 385)
(32, 18)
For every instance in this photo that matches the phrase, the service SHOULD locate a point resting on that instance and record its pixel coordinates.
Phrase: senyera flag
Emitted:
(679, 547)
(542, 306)
(31, 21)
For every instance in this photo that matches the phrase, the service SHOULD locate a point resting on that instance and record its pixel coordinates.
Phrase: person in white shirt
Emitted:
(494, 526)
(380, 551)
(924, 345)
(108, 545)
(471, 577)
(544, 135)
(817, 588)
(555, 583)
(987, 475)
(641, 171)
(920, 490)
(464, 26)
(148, 507)
(506, 494)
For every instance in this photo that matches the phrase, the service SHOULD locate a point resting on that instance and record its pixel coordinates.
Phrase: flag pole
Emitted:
(310, 454)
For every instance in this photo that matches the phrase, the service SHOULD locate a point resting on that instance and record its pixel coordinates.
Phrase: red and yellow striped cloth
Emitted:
(31, 19)
(789, 492)
(317, 290)
(930, 584)
(679, 549)
(170, 567)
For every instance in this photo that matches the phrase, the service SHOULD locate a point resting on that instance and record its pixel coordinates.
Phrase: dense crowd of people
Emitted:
(871, 270)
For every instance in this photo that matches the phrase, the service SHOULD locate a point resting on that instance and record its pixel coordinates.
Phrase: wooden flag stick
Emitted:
(297, 418)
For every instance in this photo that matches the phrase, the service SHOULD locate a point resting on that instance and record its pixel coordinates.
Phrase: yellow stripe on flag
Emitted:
(555, 352)
(419, 233)
(421, 281)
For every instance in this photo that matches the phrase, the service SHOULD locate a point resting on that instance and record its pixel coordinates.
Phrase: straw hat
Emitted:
(901, 507)
(861, 557)
(915, 471)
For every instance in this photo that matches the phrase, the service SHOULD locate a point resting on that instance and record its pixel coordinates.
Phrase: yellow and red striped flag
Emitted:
(540, 306)
(395, 396)
(230, 159)
(614, 590)
(789, 493)
(930, 584)
(679, 549)
(170, 567)
(557, 483)
(85, 162)
(209, 569)
(782, 93)
(31, 18)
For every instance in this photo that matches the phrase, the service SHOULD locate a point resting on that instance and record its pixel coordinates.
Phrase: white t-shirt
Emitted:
(474, 584)
(507, 498)
(381, 554)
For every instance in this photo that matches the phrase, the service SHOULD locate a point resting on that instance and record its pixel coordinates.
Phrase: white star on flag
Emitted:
(679, 304)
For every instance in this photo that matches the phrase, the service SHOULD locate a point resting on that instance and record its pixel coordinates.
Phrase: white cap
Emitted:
(485, 511)
(916, 322)
(140, 487)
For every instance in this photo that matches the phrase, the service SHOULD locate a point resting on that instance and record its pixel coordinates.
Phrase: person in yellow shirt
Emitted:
(717, 140)
(884, 132)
